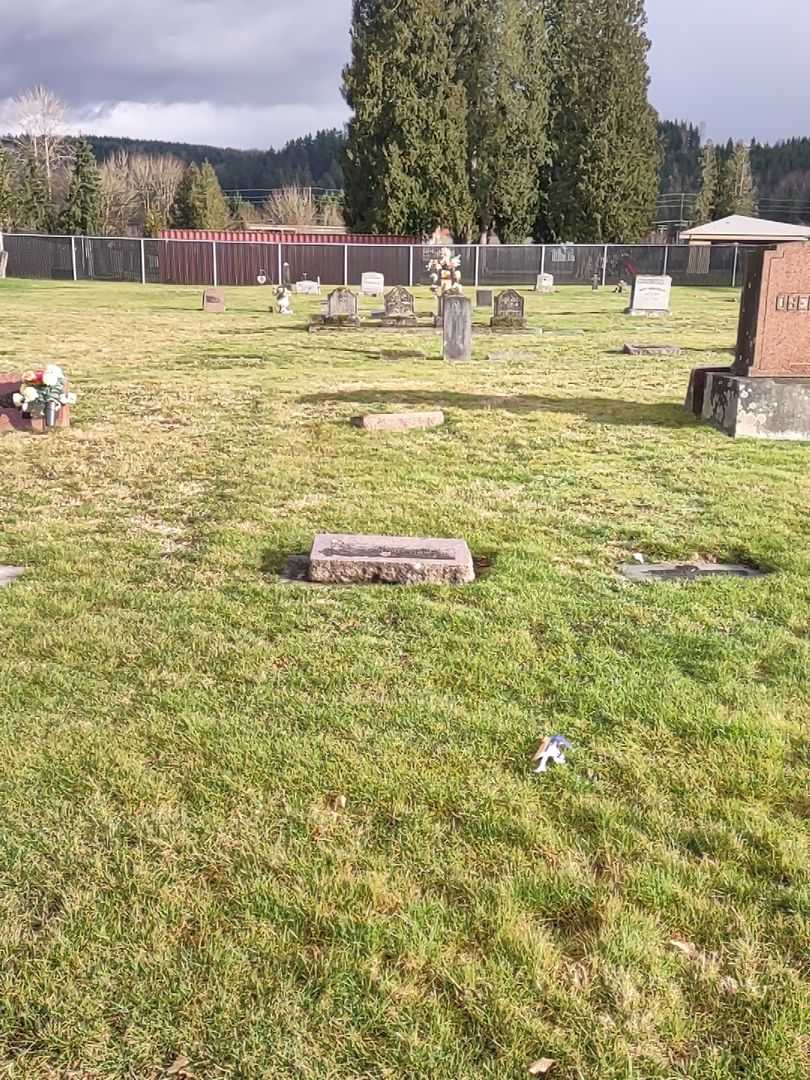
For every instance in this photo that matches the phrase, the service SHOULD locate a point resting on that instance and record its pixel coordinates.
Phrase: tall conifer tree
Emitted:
(706, 204)
(605, 151)
(737, 194)
(82, 210)
(8, 197)
(34, 204)
(406, 160)
(199, 202)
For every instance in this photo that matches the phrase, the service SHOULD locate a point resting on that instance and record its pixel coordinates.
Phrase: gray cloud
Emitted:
(248, 73)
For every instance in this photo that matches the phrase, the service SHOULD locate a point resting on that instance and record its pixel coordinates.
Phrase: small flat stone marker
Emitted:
(652, 350)
(501, 357)
(351, 559)
(402, 354)
(214, 300)
(399, 421)
(9, 574)
(688, 571)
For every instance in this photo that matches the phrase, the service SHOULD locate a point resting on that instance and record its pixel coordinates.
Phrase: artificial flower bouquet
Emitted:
(445, 272)
(43, 393)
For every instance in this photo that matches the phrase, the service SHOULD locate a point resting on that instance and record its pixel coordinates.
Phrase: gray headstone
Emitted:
(651, 295)
(483, 298)
(399, 306)
(457, 328)
(3, 263)
(509, 309)
(341, 302)
(544, 283)
(214, 300)
(348, 559)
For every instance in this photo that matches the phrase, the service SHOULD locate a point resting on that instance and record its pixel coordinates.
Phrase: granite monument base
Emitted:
(758, 408)
(697, 387)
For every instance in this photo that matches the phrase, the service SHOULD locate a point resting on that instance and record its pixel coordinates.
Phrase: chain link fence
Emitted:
(218, 262)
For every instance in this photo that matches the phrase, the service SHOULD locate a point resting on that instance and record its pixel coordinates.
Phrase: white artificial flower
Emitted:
(18, 399)
(52, 374)
(29, 394)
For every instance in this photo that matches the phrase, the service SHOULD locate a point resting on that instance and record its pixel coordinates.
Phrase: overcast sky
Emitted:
(247, 73)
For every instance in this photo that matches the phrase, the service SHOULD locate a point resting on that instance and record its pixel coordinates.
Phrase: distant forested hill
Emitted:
(781, 172)
(311, 161)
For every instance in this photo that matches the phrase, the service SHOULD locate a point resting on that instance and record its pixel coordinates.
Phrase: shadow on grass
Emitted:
(600, 410)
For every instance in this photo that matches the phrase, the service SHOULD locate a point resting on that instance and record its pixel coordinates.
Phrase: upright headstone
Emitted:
(285, 275)
(214, 300)
(457, 328)
(372, 284)
(766, 392)
(307, 288)
(3, 263)
(483, 298)
(399, 308)
(341, 308)
(544, 283)
(651, 295)
(510, 308)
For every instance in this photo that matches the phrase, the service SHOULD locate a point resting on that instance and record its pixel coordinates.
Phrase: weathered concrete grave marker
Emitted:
(765, 393)
(350, 559)
(341, 308)
(399, 308)
(544, 284)
(372, 283)
(483, 298)
(510, 311)
(457, 328)
(688, 571)
(214, 300)
(652, 295)
(652, 350)
(399, 421)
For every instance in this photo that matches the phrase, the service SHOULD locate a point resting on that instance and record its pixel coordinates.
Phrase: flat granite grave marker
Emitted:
(510, 308)
(399, 421)
(399, 308)
(652, 295)
(214, 300)
(457, 328)
(349, 559)
(765, 393)
(483, 298)
(687, 571)
(652, 350)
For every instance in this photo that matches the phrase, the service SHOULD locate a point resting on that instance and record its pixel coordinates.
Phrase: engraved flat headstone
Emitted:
(652, 295)
(399, 421)
(402, 354)
(214, 300)
(509, 311)
(349, 559)
(690, 571)
(9, 574)
(652, 350)
(399, 308)
(457, 328)
(544, 284)
(372, 283)
(483, 298)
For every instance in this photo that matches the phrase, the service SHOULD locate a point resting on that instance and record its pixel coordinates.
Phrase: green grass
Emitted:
(175, 724)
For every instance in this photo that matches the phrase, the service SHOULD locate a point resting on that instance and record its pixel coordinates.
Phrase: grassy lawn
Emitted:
(178, 874)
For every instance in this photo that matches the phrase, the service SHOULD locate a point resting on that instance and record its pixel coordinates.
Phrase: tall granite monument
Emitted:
(765, 393)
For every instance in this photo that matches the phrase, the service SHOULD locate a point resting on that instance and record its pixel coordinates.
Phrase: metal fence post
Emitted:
(214, 257)
(143, 261)
(734, 271)
(73, 257)
(666, 259)
(477, 263)
(280, 269)
(543, 260)
(345, 264)
(604, 266)
(410, 268)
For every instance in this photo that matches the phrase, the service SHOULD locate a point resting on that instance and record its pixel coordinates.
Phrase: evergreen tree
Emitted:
(82, 210)
(602, 185)
(8, 197)
(706, 205)
(737, 194)
(406, 159)
(34, 205)
(199, 202)
(504, 69)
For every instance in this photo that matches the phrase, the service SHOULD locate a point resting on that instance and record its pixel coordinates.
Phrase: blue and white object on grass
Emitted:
(551, 749)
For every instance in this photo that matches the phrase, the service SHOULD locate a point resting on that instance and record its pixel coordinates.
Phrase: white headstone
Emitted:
(372, 284)
(545, 283)
(307, 288)
(651, 295)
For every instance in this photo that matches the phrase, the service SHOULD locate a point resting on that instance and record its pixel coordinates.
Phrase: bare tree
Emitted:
(119, 199)
(291, 206)
(155, 180)
(38, 118)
